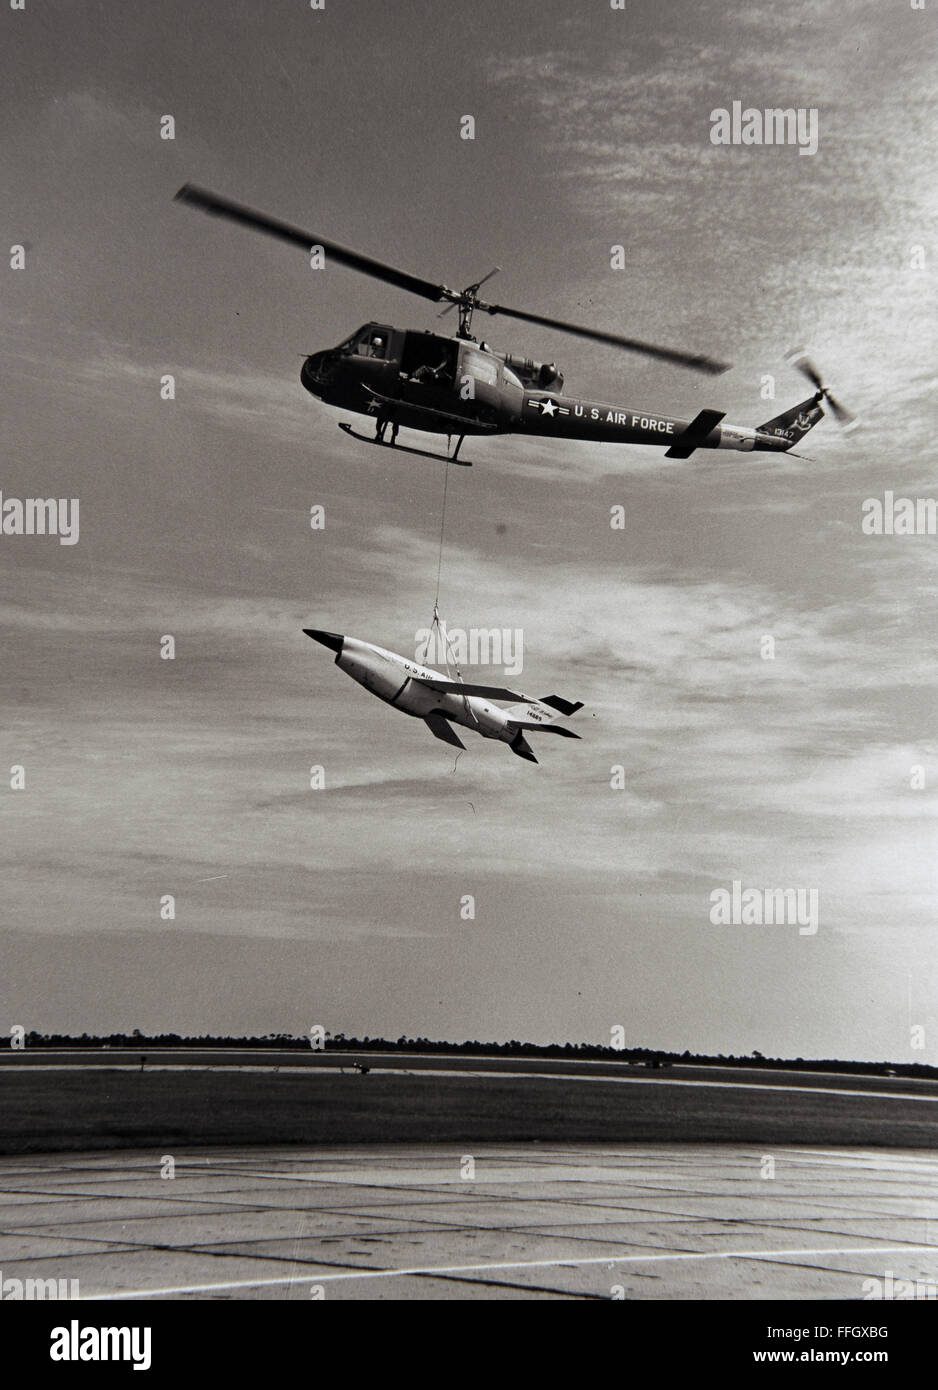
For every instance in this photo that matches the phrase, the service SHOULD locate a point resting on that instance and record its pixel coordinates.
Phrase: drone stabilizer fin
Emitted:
(522, 748)
(442, 730)
(521, 724)
(544, 714)
(566, 707)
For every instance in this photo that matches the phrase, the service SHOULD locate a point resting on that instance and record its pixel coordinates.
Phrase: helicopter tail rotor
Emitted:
(797, 359)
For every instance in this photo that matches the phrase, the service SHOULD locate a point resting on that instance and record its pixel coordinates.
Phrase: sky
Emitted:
(701, 762)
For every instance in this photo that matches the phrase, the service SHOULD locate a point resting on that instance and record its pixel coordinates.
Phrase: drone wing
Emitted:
(485, 692)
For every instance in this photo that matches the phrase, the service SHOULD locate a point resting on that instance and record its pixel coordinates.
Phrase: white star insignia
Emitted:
(548, 407)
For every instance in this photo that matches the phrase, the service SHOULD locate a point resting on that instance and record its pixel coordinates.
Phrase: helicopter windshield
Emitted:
(371, 341)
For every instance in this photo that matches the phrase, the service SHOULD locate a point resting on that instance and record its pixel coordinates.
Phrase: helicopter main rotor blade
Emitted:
(354, 260)
(466, 299)
(674, 355)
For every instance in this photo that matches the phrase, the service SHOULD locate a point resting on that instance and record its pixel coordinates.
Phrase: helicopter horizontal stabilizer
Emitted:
(695, 434)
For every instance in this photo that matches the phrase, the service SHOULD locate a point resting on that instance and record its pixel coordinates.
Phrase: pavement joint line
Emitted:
(136, 1168)
(585, 1231)
(438, 1190)
(588, 1234)
(426, 1184)
(212, 1209)
(429, 1271)
(648, 1214)
(216, 1247)
(350, 1212)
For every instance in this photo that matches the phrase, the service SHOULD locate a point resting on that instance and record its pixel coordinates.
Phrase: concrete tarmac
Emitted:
(643, 1221)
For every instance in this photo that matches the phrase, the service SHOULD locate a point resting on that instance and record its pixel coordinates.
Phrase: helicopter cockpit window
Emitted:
(377, 345)
(370, 341)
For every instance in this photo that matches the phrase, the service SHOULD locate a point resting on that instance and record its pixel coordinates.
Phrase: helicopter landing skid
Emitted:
(406, 449)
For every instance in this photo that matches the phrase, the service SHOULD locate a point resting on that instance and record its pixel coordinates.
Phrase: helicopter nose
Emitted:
(332, 640)
(311, 374)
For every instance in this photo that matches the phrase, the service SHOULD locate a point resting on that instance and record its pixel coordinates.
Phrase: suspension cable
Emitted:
(437, 625)
(439, 568)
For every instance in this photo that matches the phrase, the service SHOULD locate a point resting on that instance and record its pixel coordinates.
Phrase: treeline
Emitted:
(340, 1042)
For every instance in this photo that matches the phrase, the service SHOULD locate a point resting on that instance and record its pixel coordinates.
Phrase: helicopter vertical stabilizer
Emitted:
(794, 424)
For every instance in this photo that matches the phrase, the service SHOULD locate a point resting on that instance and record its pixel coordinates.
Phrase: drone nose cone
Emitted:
(332, 640)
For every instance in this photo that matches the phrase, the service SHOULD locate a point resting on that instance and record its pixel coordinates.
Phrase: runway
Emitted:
(645, 1221)
(235, 1174)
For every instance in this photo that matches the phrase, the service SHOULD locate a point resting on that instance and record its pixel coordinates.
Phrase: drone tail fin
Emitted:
(543, 712)
(440, 728)
(543, 716)
(520, 745)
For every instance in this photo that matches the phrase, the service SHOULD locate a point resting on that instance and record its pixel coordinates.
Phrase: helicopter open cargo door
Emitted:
(429, 358)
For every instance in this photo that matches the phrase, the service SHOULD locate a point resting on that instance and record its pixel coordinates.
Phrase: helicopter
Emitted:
(457, 386)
